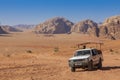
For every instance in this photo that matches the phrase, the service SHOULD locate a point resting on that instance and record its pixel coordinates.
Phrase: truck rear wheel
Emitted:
(73, 69)
(90, 66)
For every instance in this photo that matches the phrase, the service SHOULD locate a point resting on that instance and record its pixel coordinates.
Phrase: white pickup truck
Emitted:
(86, 58)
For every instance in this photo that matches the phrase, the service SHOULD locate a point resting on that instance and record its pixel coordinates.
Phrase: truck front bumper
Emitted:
(78, 64)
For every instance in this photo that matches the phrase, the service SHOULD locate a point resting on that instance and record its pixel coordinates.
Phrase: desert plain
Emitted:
(29, 56)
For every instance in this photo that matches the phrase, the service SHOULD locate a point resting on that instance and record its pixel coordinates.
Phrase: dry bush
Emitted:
(111, 50)
(29, 51)
(56, 49)
(7, 55)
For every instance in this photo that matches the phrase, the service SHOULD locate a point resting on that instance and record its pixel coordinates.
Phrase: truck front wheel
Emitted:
(90, 66)
(73, 69)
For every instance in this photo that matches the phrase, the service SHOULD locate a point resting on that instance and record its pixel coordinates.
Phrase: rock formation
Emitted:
(86, 27)
(111, 28)
(55, 25)
(10, 29)
(2, 31)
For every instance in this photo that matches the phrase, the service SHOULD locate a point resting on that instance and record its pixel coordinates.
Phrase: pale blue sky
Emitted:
(14, 12)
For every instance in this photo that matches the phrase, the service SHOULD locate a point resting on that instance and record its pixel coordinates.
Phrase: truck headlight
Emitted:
(86, 60)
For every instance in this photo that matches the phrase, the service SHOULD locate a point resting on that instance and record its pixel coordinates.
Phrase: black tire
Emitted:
(90, 66)
(73, 69)
(100, 64)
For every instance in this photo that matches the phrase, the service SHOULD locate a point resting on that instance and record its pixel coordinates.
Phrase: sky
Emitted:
(13, 12)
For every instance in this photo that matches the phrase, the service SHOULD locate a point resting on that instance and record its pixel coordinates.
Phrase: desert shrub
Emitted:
(111, 50)
(29, 51)
(8, 55)
(56, 49)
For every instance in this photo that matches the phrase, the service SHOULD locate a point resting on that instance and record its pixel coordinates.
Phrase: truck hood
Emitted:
(79, 57)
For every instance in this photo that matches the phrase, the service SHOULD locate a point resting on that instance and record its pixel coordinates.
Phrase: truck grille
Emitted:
(78, 60)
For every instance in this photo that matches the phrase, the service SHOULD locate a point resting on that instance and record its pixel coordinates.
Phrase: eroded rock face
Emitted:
(56, 25)
(86, 27)
(111, 28)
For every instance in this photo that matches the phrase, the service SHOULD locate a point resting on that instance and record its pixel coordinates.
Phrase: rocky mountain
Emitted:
(86, 27)
(2, 31)
(57, 25)
(111, 28)
(10, 29)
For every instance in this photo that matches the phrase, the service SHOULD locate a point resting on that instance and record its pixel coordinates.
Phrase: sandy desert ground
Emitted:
(28, 56)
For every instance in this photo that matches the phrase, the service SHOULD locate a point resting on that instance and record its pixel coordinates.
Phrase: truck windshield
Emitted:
(82, 53)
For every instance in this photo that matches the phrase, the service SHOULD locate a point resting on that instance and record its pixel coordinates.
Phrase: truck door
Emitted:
(94, 55)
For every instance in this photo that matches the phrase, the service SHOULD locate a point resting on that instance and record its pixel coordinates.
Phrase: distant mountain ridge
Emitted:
(10, 29)
(5, 29)
(24, 26)
(110, 28)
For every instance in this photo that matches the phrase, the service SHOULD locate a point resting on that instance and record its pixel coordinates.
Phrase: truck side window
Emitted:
(93, 53)
(99, 52)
